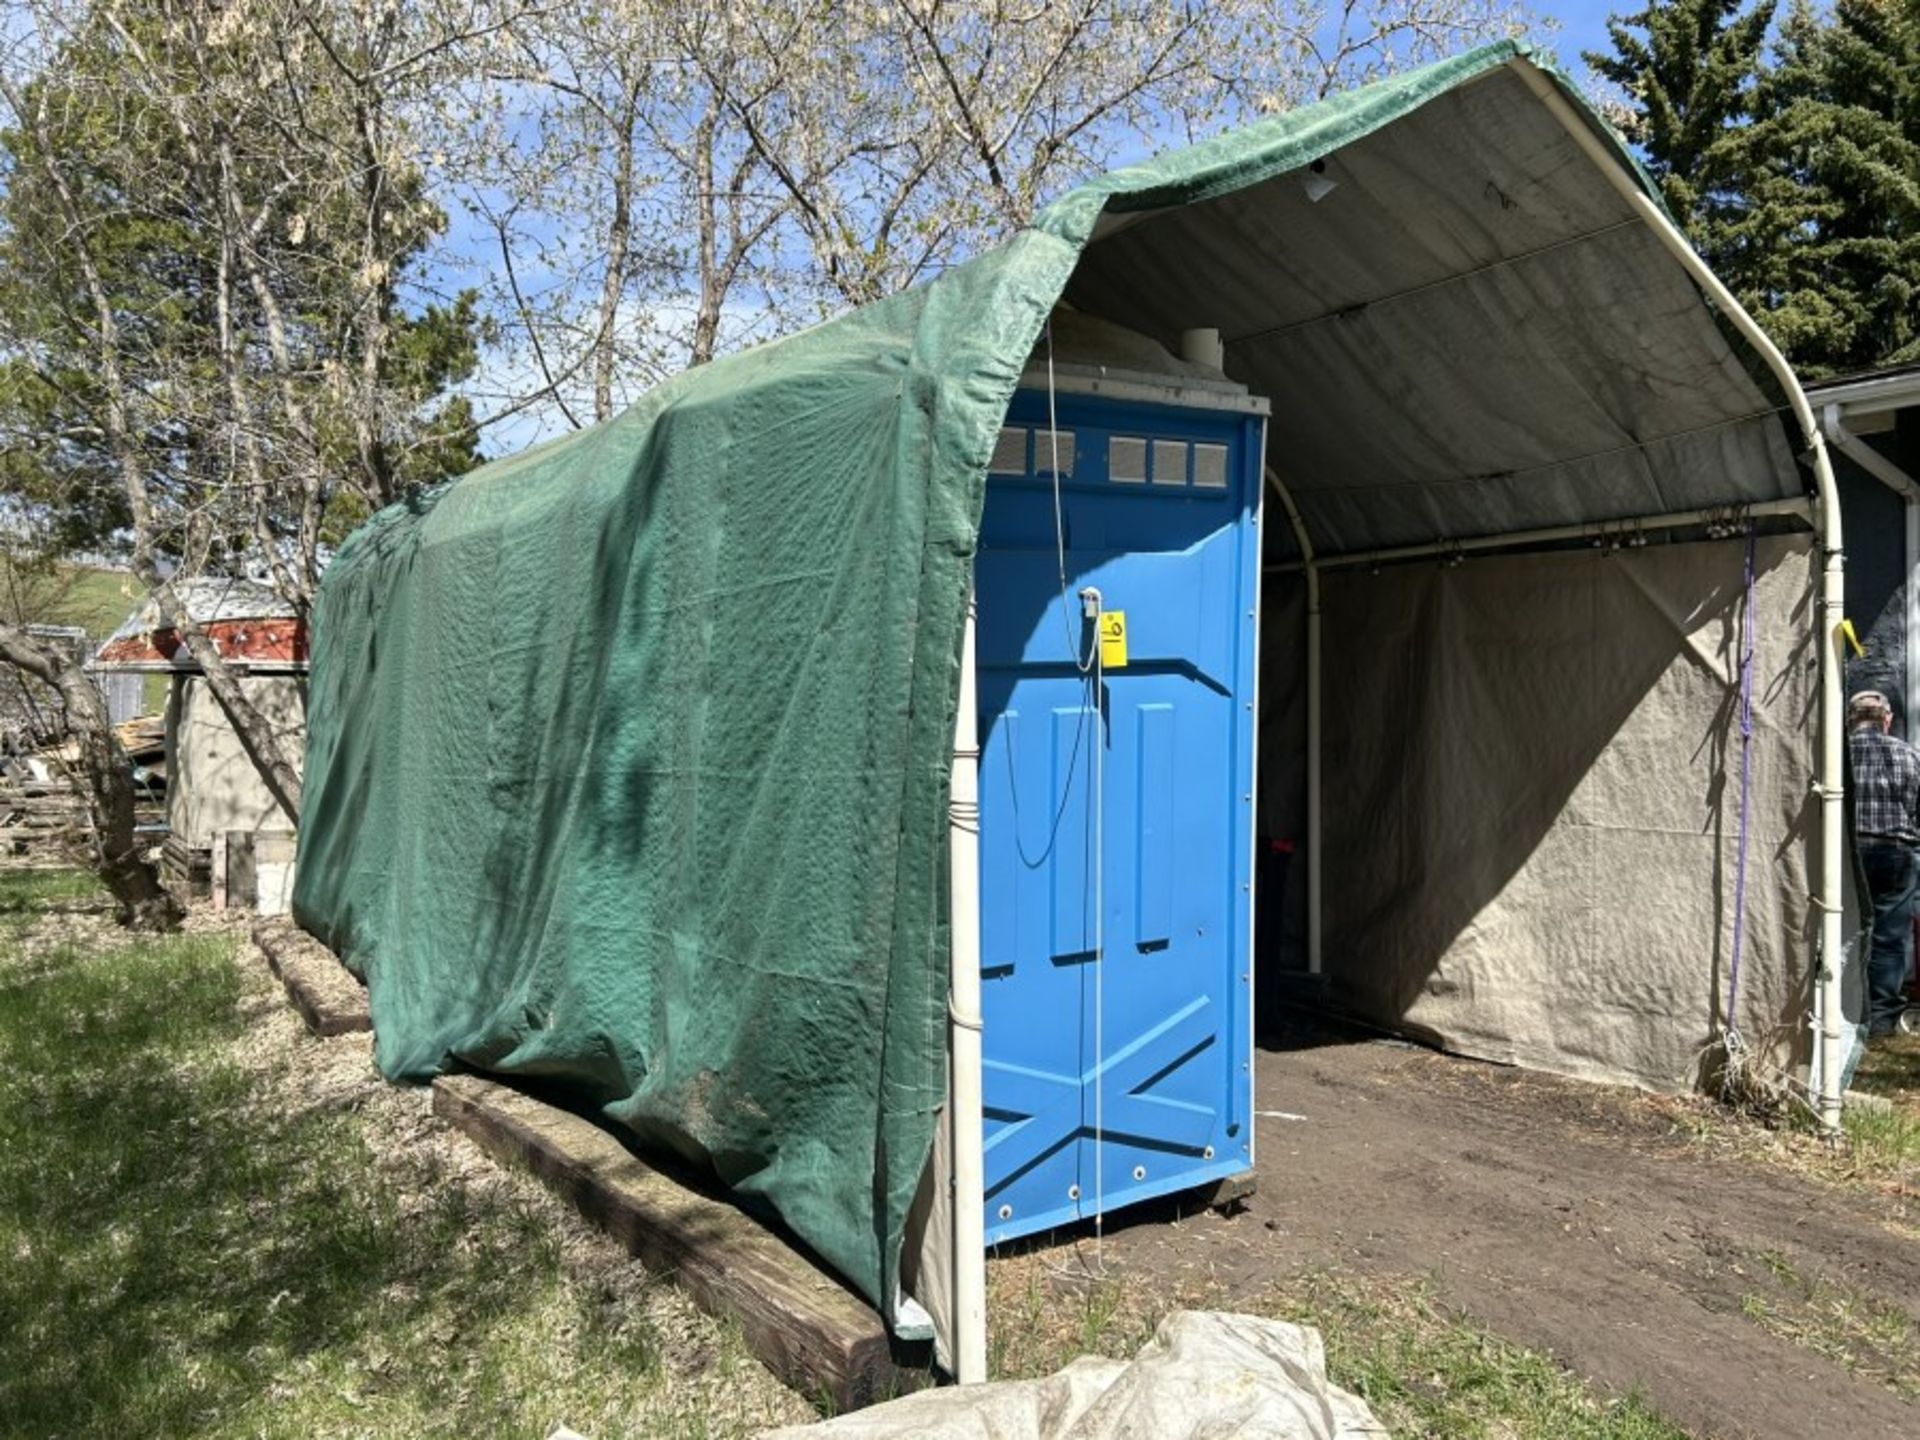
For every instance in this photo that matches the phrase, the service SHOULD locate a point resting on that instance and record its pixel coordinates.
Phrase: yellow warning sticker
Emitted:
(1113, 640)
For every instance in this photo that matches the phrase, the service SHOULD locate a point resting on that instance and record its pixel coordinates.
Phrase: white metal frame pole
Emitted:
(1828, 993)
(965, 1128)
(1912, 632)
(1595, 530)
(1304, 542)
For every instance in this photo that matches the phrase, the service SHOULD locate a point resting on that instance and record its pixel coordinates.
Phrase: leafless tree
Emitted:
(660, 182)
(666, 181)
(283, 387)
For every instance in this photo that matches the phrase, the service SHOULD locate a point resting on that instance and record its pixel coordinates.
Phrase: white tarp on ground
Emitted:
(1532, 780)
(1202, 1374)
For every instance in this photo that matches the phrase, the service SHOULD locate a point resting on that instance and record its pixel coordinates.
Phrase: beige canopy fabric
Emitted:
(1471, 333)
(1532, 765)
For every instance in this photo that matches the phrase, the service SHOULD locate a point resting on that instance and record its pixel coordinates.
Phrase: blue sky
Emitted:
(1582, 25)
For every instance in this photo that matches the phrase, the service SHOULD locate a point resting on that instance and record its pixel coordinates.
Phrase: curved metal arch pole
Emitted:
(1827, 1001)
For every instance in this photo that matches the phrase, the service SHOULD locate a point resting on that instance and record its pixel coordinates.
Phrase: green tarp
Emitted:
(628, 757)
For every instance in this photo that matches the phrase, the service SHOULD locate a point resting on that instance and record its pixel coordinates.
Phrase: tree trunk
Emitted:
(143, 903)
(619, 239)
(376, 275)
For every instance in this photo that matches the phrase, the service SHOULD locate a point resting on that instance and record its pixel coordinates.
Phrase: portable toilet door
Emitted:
(1116, 795)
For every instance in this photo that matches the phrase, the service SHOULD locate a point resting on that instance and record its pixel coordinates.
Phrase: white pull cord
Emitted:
(1099, 942)
(1090, 610)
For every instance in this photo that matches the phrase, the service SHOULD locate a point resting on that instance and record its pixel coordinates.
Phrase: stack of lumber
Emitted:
(40, 808)
(144, 738)
(42, 805)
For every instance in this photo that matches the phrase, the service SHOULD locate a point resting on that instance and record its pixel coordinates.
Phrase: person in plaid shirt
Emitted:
(1886, 832)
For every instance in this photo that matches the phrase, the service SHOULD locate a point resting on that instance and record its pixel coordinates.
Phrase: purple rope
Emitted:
(1746, 771)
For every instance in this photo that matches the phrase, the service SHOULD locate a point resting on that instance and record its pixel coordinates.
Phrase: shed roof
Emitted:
(253, 628)
(1887, 387)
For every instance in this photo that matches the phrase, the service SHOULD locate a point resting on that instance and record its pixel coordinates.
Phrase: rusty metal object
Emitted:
(280, 640)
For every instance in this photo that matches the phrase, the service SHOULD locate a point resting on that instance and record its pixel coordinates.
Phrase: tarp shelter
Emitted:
(631, 757)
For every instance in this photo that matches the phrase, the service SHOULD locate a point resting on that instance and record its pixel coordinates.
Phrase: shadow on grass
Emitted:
(176, 1255)
(1891, 1067)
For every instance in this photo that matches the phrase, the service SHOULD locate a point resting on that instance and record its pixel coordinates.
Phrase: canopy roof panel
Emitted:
(1469, 333)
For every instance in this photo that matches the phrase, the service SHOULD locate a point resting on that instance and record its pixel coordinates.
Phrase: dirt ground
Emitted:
(1738, 1297)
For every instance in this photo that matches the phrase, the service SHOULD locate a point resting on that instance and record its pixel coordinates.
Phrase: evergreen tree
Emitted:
(1830, 240)
(1799, 180)
(1691, 69)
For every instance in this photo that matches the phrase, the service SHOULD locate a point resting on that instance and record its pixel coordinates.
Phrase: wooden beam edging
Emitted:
(800, 1322)
(324, 991)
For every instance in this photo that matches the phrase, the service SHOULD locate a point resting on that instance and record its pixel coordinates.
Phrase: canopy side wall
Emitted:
(1533, 780)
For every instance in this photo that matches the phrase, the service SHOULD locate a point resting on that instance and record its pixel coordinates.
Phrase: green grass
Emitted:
(1423, 1371)
(1878, 1152)
(1885, 1144)
(1887, 1141)
(1427, 1372)
(1869, 1336)
(98, 601)
(188, 1246)
(1891, 1067)
(1036, 1322)
(27, 893)
(29, 897)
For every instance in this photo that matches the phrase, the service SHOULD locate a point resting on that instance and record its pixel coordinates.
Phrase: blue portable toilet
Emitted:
(1117, 586)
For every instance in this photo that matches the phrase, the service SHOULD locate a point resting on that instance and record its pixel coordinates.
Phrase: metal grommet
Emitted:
(1073, 1192)
(1139, 1172)
(1006, 1212)
(1207, 1154)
